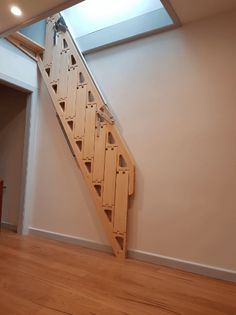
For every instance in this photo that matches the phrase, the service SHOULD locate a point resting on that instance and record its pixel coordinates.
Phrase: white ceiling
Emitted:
(192, 10)
(187, 10)
(33, 10)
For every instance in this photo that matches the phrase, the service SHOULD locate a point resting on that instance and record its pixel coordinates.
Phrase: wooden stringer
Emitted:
(104, 160)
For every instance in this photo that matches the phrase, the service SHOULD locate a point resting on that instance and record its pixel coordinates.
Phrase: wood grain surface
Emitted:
(45, 277)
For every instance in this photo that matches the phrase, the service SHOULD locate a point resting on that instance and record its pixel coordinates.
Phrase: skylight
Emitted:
(98, 23)
(93, 15)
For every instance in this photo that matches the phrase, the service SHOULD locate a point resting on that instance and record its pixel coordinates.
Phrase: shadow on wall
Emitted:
(9, 107)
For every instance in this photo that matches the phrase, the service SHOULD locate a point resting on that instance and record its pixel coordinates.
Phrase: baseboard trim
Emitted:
(200, 269)
(9, 226)
(70, 239)
(189, 266)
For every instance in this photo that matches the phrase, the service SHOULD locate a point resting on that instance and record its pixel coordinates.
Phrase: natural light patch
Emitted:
(93, 15)
(99, 23)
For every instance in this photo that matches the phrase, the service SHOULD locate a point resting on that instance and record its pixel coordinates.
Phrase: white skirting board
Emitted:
(209, 271)
(9, 226)
(71, 239)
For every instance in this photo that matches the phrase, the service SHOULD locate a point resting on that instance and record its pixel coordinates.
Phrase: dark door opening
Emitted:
(12, 137)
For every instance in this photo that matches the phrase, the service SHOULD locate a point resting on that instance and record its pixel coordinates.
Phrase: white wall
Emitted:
(12, 136)
(61, 201)
(17, 65)
(174, 96)
(19, 70)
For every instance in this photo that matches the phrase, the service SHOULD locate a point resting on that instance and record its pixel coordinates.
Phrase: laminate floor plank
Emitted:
(46, 277)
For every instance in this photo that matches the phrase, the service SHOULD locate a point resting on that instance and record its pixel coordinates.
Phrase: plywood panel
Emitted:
(63, 79)
(121, 201)
(99, 154)
(89, 136)
(72, 91)
(55, 67)
(81, 101)
(110, 176)
(125, 152)
(47, 56)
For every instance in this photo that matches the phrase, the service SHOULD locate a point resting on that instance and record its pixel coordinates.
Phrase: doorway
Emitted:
(13, 108)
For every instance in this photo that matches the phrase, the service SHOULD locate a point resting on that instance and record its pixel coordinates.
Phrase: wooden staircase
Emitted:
(102, 156)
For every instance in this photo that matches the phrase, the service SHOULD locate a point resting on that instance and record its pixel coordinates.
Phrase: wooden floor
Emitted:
(45, 277)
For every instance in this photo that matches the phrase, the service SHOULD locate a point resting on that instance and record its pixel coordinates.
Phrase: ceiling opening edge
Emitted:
(169, 8)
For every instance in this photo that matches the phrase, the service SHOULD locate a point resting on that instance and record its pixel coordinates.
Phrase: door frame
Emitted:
(27, 179)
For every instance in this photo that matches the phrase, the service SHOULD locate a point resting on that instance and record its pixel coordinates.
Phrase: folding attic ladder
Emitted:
(103, 157)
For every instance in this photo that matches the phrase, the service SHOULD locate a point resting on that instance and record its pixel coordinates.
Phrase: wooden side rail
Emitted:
(102, 155)
(26, 44)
